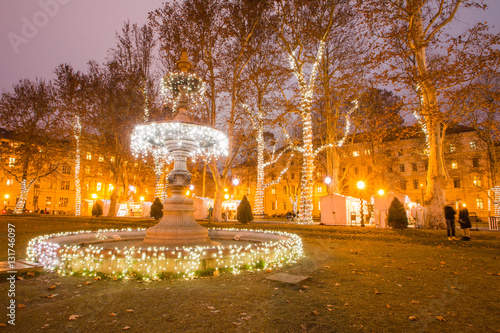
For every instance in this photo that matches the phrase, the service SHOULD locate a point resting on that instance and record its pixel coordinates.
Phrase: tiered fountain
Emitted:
(177, 243)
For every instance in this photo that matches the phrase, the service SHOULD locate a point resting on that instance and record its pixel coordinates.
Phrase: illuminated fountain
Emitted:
(177, 244)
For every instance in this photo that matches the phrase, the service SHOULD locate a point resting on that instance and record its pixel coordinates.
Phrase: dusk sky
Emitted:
(76, 31)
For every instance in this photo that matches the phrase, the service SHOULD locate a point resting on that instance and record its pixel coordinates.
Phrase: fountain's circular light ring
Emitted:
(164, 137)
(82, 251)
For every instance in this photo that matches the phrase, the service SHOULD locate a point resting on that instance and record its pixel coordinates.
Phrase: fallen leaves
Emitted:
(50, 296)
(74, 317)
(21, 306)
(130, 310)
(412, 318)
(388, 306)
(126, 328)
(112, 314)
(316, 313)
(52, 287)
(86, 283)
(376, 292)
(414, 302)
(440, 318)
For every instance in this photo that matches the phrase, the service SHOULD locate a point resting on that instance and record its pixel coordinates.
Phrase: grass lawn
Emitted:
(362, 280)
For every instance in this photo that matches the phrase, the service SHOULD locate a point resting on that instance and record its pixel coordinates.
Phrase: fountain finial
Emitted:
(184, 64)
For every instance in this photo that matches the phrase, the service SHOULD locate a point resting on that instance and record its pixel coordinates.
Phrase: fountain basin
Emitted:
(113, 252)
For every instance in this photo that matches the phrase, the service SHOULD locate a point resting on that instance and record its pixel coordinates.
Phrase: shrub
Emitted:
(397, 218)
(156, 209)
(244, 212)
(97, 208)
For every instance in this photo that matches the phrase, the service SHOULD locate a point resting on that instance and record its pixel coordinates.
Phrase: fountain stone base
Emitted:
(177, 226)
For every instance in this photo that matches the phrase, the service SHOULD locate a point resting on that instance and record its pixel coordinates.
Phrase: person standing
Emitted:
(464, 220)
(449, 214)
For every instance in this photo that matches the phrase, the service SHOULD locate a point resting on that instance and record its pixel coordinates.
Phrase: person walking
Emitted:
(464, 220)
(449, 214)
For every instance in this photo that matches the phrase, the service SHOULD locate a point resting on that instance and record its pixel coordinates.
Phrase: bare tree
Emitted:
(408, 32)
(39, 141)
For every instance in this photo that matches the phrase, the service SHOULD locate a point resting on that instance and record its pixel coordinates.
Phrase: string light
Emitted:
(162, 137)
(195, 88)
(77, 128)
(25, 188)
(258, 126)
(65, 253)
(308, 155)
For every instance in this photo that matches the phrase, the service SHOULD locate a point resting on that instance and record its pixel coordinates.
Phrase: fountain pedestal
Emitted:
(178, 227)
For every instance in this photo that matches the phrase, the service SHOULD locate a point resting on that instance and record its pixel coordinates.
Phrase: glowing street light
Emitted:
(381, 192)
(236, 181)
(328, 180)
(226, 196)
(94, 196)
(361, 184)
(141, 198)
(6, 196)
(191, 187)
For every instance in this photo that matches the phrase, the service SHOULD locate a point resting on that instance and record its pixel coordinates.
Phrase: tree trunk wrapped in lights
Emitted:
(409, 29)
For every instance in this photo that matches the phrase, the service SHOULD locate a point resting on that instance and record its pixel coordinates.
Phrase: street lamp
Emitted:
(236, 181)
(328, 180)
(141, 198)
(94, 196)
(381, 192)
(361, 186)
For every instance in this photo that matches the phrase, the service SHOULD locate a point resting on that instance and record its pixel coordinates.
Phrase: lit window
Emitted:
(355, 153)
(473, 145)
(273, 191)
(87, 170)
(98, 187)
(14, 144)
(89, 156)
(136, 164)
(99, 172)
(477, 180)
(454, 165)
(110, 187)
(479, 203)
(112, 159)
(284, 189)
(319, 205)
(66, 169)
(452, 148)
(65, 185)
(368, 152)
(12, 161)
(63, 202)
(101, 158)
(48, 201)
(319, 189)
(10, 182)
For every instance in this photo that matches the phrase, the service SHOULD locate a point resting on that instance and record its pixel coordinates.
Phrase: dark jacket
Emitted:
(449, 213)
(463, 218)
